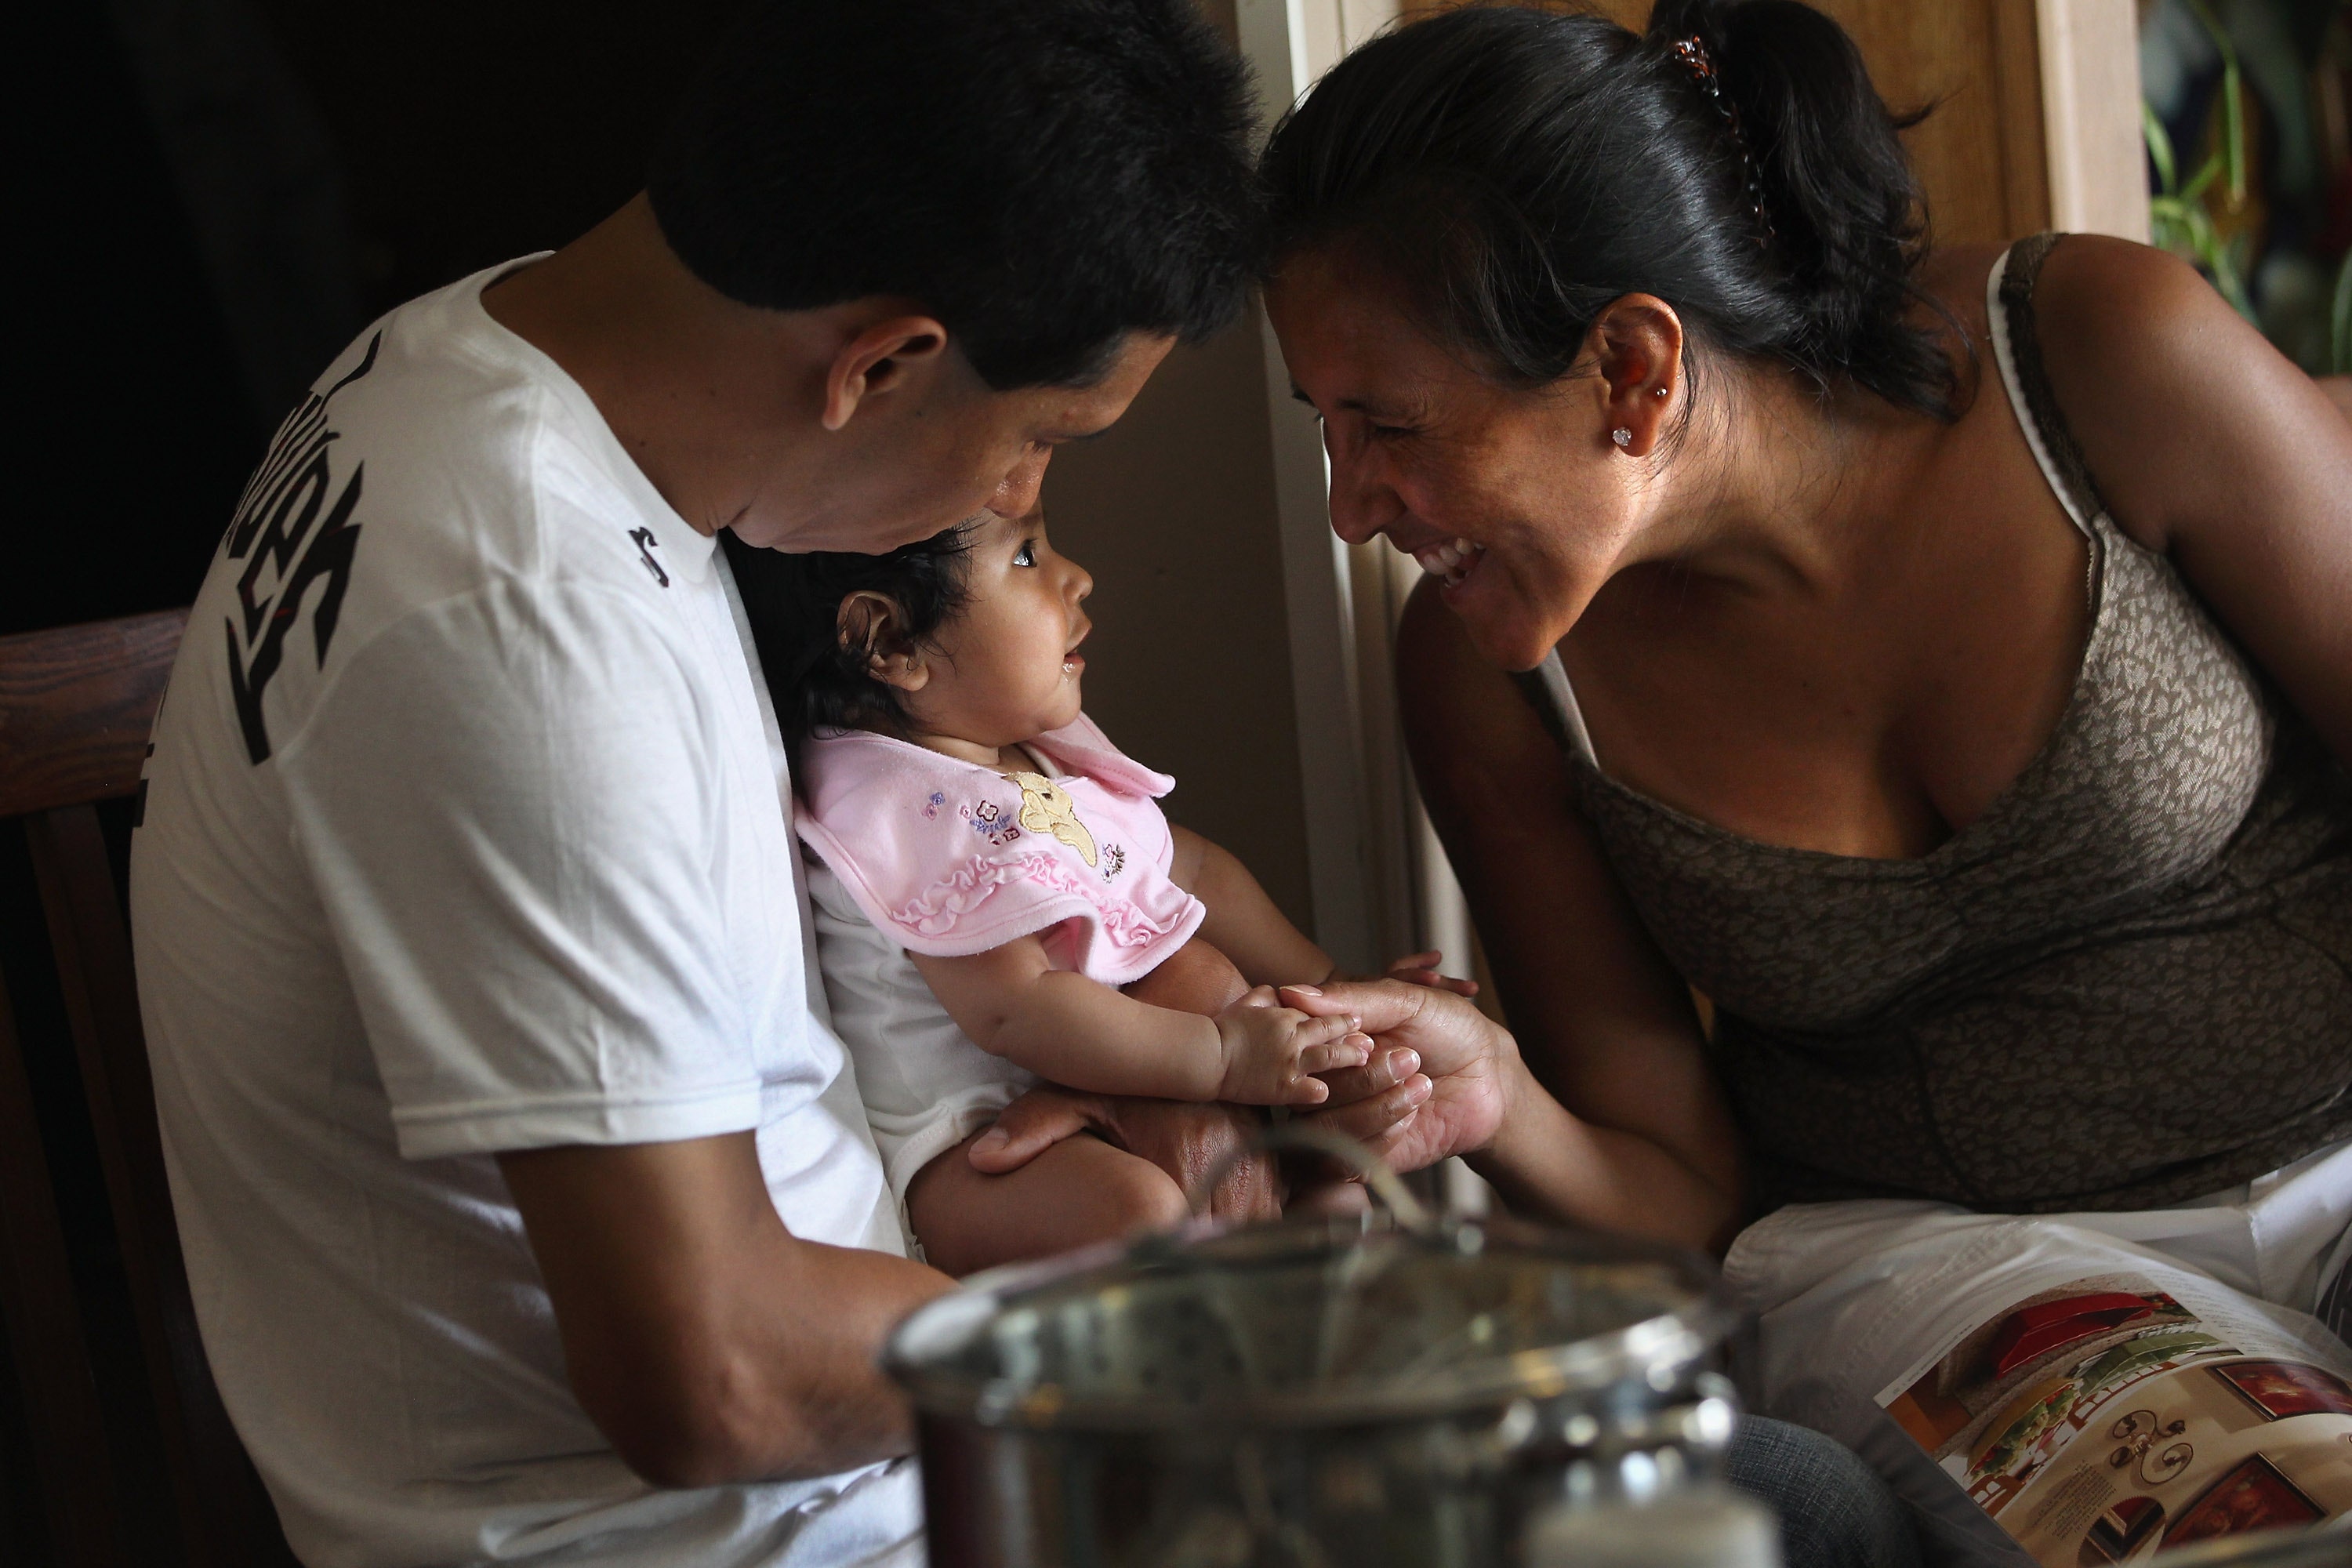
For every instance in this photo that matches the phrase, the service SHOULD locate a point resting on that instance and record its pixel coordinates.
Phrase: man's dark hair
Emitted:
(818, 678)
(1043, 175)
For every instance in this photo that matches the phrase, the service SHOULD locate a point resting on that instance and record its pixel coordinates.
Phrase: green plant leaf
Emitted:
(2229, 268)
(2233, 104)
(2234, 132)
(2159, 149)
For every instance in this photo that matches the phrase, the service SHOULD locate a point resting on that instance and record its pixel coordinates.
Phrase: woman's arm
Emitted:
(1616, 1119)
(2207, 445)
(1241, 922)
(1081, 1033)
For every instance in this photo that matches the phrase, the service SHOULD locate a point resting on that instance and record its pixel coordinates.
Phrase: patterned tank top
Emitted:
(2124, 985)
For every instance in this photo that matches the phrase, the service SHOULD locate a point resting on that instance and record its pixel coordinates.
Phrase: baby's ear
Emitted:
(873, 629)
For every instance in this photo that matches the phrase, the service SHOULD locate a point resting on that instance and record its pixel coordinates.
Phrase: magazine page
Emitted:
(2104, 1419)
(2099, 1401)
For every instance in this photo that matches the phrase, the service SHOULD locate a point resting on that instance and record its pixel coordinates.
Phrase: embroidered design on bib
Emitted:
(987, 819)
(1046, 807)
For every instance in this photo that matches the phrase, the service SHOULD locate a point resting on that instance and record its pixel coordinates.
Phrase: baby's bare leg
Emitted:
(1077, 1191)
(1195, 978)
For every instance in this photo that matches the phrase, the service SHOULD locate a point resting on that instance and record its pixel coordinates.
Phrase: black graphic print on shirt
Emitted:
(645, 542)
(279, 531)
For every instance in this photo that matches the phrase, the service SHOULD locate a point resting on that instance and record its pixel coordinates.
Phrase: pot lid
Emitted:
(1308, 1323)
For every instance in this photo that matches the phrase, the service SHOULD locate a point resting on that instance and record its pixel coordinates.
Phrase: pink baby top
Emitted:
(950, 857)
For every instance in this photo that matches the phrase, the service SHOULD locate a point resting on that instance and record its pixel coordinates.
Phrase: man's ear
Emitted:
(879, 359)
(871, 626)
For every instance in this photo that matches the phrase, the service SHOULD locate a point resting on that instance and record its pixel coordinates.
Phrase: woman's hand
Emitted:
(1451, 1099)
(1420, 969)
(1481, 1102)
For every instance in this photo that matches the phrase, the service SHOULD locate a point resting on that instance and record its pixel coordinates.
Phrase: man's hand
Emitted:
(1184, 1139)
(1451, 1101)
(707, 1342)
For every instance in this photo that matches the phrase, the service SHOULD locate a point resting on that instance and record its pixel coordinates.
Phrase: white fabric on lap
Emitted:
(2025, 1354)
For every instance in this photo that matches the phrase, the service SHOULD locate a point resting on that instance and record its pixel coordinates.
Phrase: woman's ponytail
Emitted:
(1517, 170)
(1847, 221)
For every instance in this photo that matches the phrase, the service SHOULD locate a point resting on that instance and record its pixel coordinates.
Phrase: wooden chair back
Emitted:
(76, 707)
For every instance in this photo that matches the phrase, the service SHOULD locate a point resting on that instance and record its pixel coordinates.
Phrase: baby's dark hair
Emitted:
(817, 676)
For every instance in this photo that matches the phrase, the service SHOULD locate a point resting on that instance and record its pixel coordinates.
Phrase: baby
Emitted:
(998, 898)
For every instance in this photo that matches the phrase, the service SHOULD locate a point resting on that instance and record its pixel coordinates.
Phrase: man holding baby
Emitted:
(528, 1203)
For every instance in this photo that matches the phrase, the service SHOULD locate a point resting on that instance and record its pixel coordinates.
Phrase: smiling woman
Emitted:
(1937, 659)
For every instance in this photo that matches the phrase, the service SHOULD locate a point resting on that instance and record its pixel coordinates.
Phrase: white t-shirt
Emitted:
(465, 830)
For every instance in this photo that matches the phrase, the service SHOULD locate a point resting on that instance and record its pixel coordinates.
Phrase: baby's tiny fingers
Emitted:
(1353, 1051)
(1317, 1031)
(1307, 1091)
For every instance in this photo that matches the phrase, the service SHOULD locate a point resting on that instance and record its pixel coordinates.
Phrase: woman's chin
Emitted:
(1502, 630)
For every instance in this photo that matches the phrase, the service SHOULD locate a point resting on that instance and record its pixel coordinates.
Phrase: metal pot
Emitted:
(1329, 1392)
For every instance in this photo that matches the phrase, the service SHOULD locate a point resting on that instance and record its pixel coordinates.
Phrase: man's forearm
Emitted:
(802, 1394)
(706, 1342)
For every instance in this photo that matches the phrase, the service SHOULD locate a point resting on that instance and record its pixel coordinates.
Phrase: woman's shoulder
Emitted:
(2086, 283)
(2113, 306)
(2144, 359)
(2096, 298)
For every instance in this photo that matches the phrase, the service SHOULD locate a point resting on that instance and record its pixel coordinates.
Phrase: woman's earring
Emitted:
(1623, 436)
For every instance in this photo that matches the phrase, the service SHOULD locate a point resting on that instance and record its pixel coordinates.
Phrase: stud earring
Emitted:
(1623, 436)
(1658, 392)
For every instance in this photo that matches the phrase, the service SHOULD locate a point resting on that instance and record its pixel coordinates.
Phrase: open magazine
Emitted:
(2104, 1419)
(2098, 1401)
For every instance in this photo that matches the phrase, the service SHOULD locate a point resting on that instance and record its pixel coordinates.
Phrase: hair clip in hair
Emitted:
(1691, 54)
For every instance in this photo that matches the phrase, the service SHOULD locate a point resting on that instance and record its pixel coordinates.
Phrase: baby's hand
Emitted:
(1270, 1054)
(1420, 969)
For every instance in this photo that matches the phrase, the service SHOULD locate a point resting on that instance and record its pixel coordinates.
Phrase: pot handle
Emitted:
(1385, 1183)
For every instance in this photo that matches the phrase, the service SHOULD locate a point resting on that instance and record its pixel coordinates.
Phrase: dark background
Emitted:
(207, 200)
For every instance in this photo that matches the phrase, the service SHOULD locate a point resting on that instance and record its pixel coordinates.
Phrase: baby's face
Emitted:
(1008, 667)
